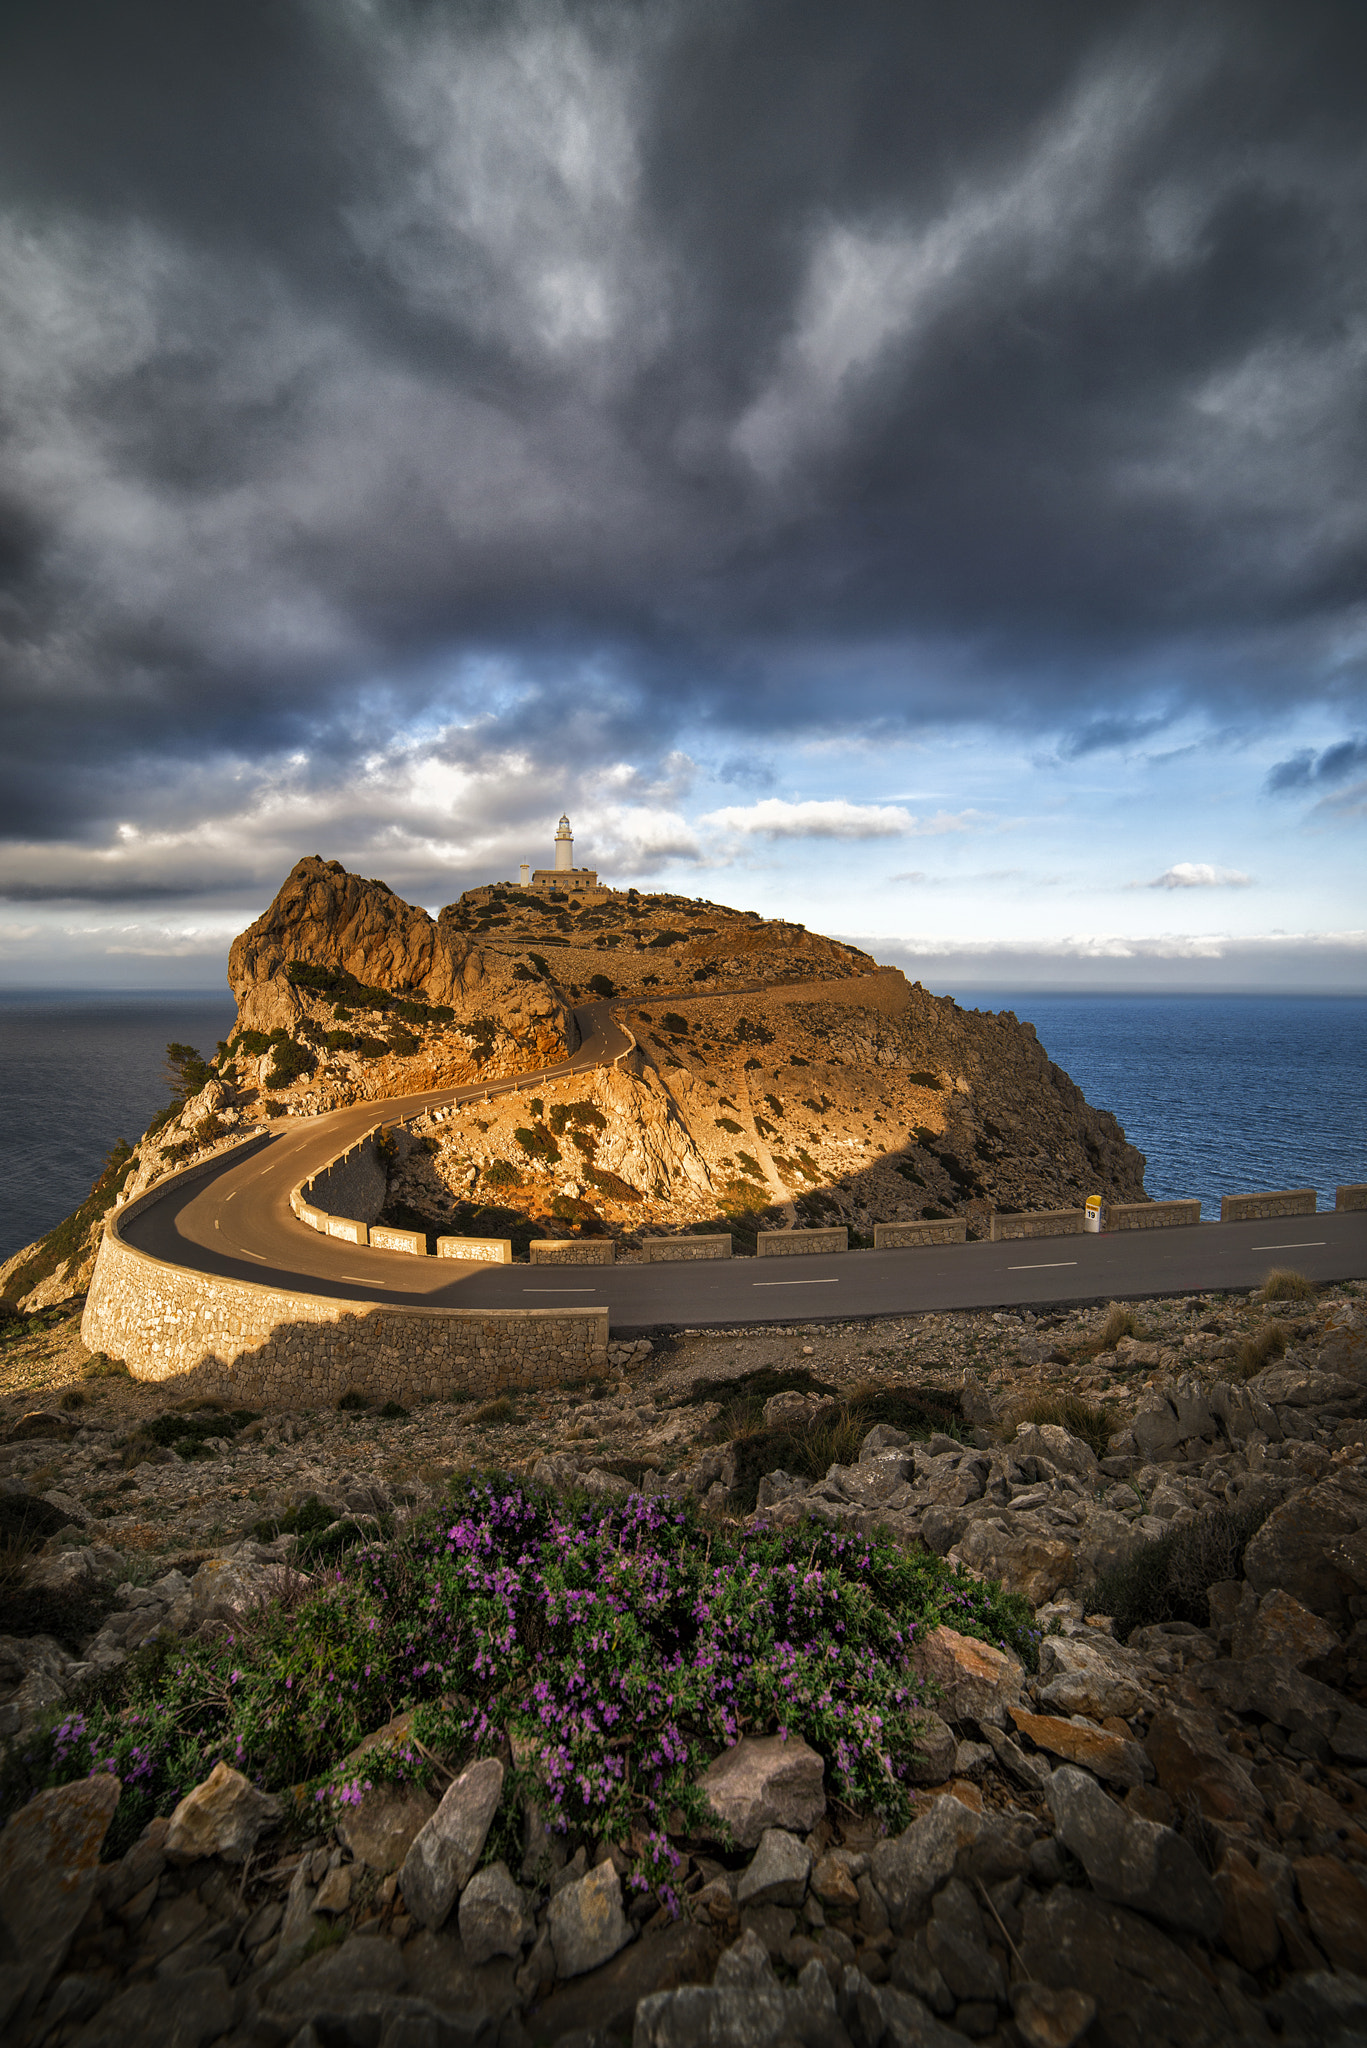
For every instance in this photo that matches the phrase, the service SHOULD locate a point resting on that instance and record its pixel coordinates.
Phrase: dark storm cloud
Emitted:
(1307, 770)
(552, 381)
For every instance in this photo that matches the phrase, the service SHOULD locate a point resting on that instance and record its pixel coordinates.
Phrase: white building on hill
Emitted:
(564, 875)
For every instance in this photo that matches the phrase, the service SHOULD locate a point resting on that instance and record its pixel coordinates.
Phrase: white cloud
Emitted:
(834, 818)
(1197, 874)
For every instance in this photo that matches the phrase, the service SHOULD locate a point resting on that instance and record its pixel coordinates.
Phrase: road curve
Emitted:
(237, 1222)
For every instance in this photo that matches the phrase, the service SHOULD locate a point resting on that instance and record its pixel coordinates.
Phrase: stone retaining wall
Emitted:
(1275, 1202)
(1151, 1215)
(572, 1251)
(485, 1251)
(892, 1237)
(788, 1244)
(269, 1347)
(1038, 1223)
(658, 1250)
(1352, 1198)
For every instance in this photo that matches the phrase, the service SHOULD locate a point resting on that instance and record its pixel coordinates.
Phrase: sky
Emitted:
(894, 466)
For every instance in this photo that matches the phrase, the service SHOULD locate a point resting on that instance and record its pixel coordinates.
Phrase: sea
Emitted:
(1222, 1094)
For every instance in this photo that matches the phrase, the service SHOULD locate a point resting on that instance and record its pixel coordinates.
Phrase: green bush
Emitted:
(602, 985)
(618, 1648)
(925, 1080)
(1169, 1578)
(292, 1061)
(538, 1144)
(251, 1042)
(502, 1174)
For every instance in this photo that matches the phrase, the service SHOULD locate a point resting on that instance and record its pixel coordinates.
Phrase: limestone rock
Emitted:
(1335, 1904)
(957, 1943)
(1026, 1561)
(1193, 1766)
(1095, 1749)
(1133, 1863)
(909, 1867)
(979, 1682)
(41, 1422)
(832, 1882)
(1280, 1626)
(586, 1921)
(1291, 1550)
(1148, 1992)
(1096, 1678)
(777, 1875)
(448, 1846)
(766, 1781)
(1249, 1910)
(933, 1761)
(380, 1828)
(221, 1817)
(49, 1863)
(1051, 2019)
(1056, 1446)
(494, 1920)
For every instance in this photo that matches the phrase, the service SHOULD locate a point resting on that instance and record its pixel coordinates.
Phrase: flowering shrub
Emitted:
(616, 1652)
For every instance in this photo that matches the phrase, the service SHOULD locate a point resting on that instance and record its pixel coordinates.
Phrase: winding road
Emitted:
(237, 1222)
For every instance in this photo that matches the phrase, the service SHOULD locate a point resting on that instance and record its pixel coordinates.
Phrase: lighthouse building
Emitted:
(564, 875)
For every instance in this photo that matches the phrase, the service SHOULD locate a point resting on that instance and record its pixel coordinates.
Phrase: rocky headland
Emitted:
(777, 1078)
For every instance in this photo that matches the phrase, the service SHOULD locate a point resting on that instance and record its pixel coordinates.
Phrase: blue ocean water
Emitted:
(1223, 1093)
(77, 1073)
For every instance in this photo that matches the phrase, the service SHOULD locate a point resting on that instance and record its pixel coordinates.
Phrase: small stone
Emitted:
(1281, 1627)
(587, 1923)
(447, 1848)
(221, 1817)
(769, 1781)
(493, 1915)
(1051, 2019)
(979, 1683)
(1336, 1906)
(1133, 1862)
(48, 1873)
(778, 1874)
(1194, 1767)
(909, 1867)
(831, 1880)
(381, 1827)
(1249, 1929)
(334, 1893)
(1109, 1756)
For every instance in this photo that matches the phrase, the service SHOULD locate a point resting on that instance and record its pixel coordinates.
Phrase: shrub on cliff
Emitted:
(619, 1648)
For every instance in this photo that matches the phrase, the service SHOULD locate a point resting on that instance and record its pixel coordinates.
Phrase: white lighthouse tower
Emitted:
(564, 875)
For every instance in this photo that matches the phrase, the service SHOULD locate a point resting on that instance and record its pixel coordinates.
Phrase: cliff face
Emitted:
(862, 1099)
(382, 963)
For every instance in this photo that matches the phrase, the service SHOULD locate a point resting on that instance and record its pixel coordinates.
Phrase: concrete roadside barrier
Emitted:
(1037, 1223)
(384, 1237)
(789, 1244)
(660, 1250)
(484, 1251)
(1152, 1215)
(1354, 1197)
(1272, 1202)
(896, 1237)
(572, 1251)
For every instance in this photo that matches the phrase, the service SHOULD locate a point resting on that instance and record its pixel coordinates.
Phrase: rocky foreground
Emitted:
(1158, 1836)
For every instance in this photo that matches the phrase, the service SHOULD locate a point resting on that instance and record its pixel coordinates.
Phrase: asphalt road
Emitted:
(238, 1223)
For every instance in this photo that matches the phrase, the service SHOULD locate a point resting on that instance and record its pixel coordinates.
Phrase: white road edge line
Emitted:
(560, 1290)
(832, 1282)
(1302, 1244)
(1048, 1266)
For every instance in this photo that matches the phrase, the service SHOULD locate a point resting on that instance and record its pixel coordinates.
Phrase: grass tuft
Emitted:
(1284, 1284)
(1259, 1350)
(1086, 1419)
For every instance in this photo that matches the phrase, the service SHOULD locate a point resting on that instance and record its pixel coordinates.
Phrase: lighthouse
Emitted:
(564, 875)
